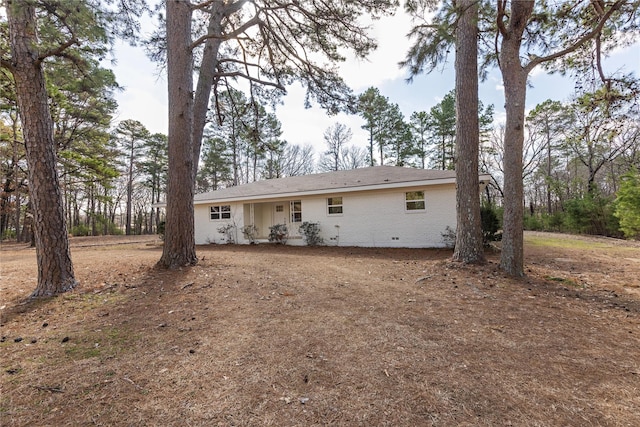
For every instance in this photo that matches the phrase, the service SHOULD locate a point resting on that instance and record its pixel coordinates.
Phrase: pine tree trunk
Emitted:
(92, 209)
(515, 89)
(549, 159)
(179, 241)
(25, 233)
(16, 174)
(371, 160)
(469, 247)
(206, 75)
(4, 206)
(17, 213)
(236, 158)
(129, 207)
(55, 269)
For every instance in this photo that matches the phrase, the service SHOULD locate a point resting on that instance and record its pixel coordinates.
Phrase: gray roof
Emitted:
(331, 182)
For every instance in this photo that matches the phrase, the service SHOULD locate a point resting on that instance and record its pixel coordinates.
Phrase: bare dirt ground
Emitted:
(288, 336)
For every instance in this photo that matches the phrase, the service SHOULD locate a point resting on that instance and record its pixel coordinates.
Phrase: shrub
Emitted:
(591, 214)
(490, 224)
(161, 227)
(449, 237)
(8, 234)
(546, 222)
(554, 221)
(311, 233)
(81, 230)
(627, 207)
(278, 233)
(105, 226)
(533, 222)
(250, 232)
(229, 233)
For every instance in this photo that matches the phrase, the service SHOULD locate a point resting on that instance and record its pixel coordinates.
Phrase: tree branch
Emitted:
(58, 51)
(202, 5)
(252, 79)
(250, 23)
(499, 18)
(229, 8)
(234, 7)
(52, 9)
(582, 40)
(599, 59)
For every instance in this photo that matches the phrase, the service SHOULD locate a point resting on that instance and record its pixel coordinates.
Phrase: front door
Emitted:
(289, 213)
(280, 213)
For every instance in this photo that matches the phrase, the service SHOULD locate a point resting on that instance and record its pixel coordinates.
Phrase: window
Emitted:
(414, 200)
(279, 208)
(334, 205)
(296, 211)
(220, 212)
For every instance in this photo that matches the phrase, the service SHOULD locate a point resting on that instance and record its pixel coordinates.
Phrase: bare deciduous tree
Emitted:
(335, 137)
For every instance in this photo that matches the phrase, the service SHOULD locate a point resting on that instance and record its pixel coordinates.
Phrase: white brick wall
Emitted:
(206, 229)
(370, 218)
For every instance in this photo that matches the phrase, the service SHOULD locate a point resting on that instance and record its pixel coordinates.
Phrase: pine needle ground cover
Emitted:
(281, 336)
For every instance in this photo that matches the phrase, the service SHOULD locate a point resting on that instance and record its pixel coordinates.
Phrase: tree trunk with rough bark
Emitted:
(127, 226)
(515, 89)
(206, 77)
(55, 269)
(179, 241)
(469, 246)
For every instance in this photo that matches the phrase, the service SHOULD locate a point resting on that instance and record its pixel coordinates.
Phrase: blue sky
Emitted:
(145, 92)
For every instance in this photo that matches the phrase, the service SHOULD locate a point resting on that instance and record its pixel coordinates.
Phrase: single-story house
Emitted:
(379, 206)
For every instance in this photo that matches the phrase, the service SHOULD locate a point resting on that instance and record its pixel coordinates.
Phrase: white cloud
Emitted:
(303, 126)
(145, 92)
(146, 104)
(382, 64)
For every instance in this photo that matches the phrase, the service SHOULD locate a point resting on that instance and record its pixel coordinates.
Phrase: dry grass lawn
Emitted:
(282, 336)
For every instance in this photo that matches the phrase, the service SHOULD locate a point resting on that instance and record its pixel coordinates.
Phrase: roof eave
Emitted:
(337, 190)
